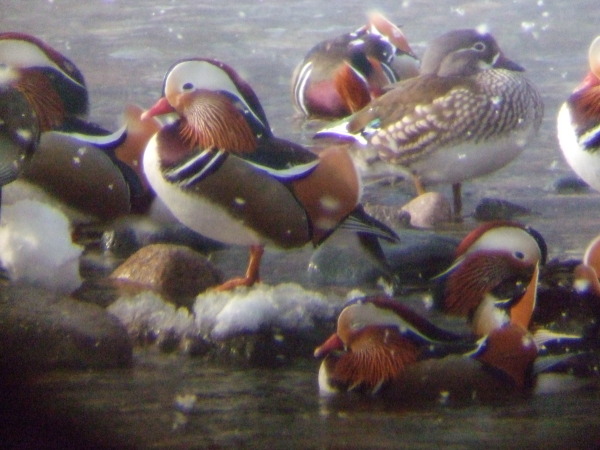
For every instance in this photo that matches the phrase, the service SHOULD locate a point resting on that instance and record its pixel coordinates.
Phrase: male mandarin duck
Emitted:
(51, 83)
(91, 175)
(64, 159)
(586, 274)
(468, 113)
(19, 131)
(381, 347)
(222, 172)
(340, 76)
(494, 277)
(585, 281)
(39, 89)
(578, 123)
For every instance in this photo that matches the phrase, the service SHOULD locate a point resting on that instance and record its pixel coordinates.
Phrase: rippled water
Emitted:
(124, 49)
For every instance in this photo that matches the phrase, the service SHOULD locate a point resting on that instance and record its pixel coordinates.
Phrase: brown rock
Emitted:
(176, 272)
(428, 210)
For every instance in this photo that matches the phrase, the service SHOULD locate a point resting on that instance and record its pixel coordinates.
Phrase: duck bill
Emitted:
(521, 313)
(504, 63)
(161, 107)
(333, 343)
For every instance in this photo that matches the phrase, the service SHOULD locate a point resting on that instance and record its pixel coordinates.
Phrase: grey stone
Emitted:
(40, 330)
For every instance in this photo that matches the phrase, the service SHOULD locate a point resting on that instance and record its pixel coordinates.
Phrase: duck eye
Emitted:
(188, 86)
(519, 255)
(479, 46)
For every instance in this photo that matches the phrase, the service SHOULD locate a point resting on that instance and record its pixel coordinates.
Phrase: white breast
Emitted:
(584, 163)
(195, 212)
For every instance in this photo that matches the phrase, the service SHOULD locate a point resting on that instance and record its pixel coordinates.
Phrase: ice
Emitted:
(146, 313)
(288, 306)
(222, 315)
(36, 246)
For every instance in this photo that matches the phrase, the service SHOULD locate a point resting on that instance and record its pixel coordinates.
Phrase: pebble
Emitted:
(498, 209)
(130, 233)
(428, 210)
(571, 185)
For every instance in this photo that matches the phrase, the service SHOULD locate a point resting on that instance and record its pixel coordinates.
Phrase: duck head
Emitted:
(493, 279)
(376, 339)
(339, 76)
(463, 53)
(52, 84)
(216, 107)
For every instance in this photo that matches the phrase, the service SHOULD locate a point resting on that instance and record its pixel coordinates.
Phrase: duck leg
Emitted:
(457, 199)
(251, 277)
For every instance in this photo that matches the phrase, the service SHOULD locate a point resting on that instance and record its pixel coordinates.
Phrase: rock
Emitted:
(497, 209)
(174, 271)
(40, 330)
(428, 210)
(571, 185)
(130, 233)
(342, 261)
(150, 320)
(420, 256)
(264, 325)
(392, 216)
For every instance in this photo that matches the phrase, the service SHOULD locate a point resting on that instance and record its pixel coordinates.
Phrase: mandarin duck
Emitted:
(468, 113)
(586, 282)
(39, 90)
(92, 174)
(222, 172)
(578, 123)
(339, 76)
(382, 347)
(84, 169)
(51, 83)
(493, 279)
(19, 131)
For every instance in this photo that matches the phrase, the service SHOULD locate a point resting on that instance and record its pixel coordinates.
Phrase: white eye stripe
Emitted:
(516, 241)
(189, 75)
(19, 53)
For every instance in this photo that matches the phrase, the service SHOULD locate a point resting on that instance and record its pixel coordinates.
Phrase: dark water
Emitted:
(124, 49)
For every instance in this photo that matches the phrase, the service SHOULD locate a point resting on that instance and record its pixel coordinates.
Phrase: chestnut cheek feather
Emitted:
(376, 357)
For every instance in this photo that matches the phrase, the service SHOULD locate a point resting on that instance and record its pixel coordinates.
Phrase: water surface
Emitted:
(124, 48)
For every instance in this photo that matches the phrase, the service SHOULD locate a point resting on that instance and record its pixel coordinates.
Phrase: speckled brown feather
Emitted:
(422, 114)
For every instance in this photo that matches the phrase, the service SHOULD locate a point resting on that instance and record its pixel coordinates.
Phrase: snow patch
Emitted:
(36, 246)
(246, 310)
